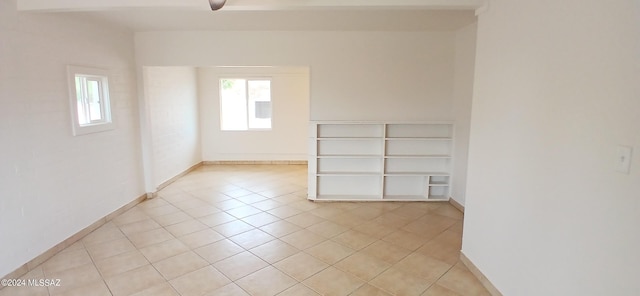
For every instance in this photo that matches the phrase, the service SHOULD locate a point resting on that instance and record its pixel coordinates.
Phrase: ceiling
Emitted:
(281, 15)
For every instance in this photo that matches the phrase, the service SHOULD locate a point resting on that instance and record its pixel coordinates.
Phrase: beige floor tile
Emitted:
(369, 290)
(301, 266)
(298, 290)
(243, 211)
(134, 281)
(284, 211)
(170, 219)
(449, 211)
(185, 227)
(219, 250)
(139, 226)
(305, 220)
(252, 198)
(105, 250)
(240, 265)
(445, 247)
(374, 229)
(260, 219)
(327, 211)
(280, 228)
(202, 211)
(303, 239)
(460, 280)
(20, 290)
(164, 289)
(179, 265)
(332, 281)
(348, 220)
(437, 290)
(229, 204)
(105, 233)
(274, 251)
(363, 266)
(217, 219)
(251, 238)
(98, 288)
(423, 266)
(121, 263)
(161, 210)
(398, 282)
(190, 203)
(186, 234)
(201, 238)
(74, 278)
(406, 239)
(24, 291)
(329, 252)
(200, 282)
(265, 282)
(66, 260)
(232, 228)
(354, 239)
(147, 238)
(386, 251)
(228, 290)
(367, 212)
(132, 215)
(392, 220)
(327, 229)
(163, 250)
(267, 205)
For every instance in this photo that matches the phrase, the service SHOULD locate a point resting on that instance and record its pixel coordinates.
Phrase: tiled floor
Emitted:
(249, 230)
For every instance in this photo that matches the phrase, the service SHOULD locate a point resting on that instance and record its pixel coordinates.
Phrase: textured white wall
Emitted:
(171, 95)
(465, 52)
(287, 139)
(354, 75)
(556, 90)
(53, 184)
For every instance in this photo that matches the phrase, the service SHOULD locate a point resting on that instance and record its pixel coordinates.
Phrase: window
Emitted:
(89, 98)
(245, 104)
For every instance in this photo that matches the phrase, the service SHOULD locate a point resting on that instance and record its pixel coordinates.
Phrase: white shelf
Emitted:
(380, 161)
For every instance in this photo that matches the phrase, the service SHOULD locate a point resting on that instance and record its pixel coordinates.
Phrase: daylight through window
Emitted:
(89, 95)
(245, 104)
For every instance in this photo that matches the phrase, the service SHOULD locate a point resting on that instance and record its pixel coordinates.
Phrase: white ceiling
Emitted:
(344, 15)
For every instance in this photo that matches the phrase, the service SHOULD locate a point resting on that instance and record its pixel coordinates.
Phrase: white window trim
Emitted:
(101, 74)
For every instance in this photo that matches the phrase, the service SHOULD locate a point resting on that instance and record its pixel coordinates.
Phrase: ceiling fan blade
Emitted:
(216, 4)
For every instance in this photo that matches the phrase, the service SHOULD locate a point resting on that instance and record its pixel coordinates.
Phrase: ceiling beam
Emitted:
(244, 5)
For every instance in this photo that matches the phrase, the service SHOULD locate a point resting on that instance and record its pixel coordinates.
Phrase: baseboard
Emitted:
(479, 275)
(456, 205)
(176, 177)
(255, 162)
(35, 262)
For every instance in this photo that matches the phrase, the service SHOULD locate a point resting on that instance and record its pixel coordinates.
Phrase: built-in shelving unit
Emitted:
(380, 160)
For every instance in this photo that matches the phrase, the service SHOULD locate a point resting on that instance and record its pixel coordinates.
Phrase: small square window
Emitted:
(245, 104)
(89, 100)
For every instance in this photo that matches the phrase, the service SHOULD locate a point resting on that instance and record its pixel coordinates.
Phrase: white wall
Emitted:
(43, 168)
(465, 52)
(171, 94)
(556, 90)
(354, 75)
(287, 139)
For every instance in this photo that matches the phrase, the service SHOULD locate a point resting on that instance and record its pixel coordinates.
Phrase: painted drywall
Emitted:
(465, 52)
(354, 75)
(171, 94)
(286, 140)
(53, 184)
(556, 90)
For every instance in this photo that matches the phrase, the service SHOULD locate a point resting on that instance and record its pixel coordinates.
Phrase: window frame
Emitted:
(246, 79)
(89, 74)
